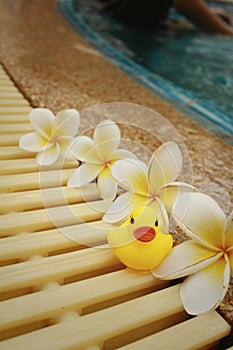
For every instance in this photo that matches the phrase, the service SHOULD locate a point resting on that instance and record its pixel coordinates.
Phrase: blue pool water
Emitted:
(191, 69)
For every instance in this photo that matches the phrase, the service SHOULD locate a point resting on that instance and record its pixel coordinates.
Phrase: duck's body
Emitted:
(138, 242)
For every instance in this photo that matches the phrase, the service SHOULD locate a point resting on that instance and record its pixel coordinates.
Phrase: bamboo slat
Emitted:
(77, 296)
(4, 82)
(10, 95)
(131, 317)
(7, 87)
(184, 336)
(61, 286)
(13, 118)
(17, 102)
(18, 166)
(22, 247)
(10, 139)
(44, 219)
(31, 181)
(50, 197)
(14, 152)
(4, 110)
(61, 268)
(15, 128)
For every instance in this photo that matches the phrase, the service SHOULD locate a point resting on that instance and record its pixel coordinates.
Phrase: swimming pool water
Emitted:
(186, 67)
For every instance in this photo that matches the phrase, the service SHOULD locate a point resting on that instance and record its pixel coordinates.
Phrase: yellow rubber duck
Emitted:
(138, 242)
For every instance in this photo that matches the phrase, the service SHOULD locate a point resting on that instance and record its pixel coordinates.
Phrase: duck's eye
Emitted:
(132, 221)
(156, 223)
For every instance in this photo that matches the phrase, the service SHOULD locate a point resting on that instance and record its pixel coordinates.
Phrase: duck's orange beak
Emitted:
(144, 233)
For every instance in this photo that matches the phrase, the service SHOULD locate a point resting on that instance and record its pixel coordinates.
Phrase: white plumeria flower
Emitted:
(98, 155)
(52, 134)
(207, 257)
(153, 185)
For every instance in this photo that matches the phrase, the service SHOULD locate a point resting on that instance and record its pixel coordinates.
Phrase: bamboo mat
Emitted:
(59, 294)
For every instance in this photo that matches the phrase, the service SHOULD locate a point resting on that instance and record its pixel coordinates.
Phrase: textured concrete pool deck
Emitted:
(54, 68)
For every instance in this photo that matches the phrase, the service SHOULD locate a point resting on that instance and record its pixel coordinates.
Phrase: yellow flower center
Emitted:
(54, 139)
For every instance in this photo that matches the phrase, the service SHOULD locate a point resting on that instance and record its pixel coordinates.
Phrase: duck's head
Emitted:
(139, 242)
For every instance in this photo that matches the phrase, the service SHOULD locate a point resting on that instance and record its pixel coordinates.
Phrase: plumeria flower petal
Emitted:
(229, 232)
(169, 193)
(165, 165)
(122, 206)
(64, 143)
(106, 184)
(131, 175)
(194, 213)
(82, 149)
(229, 239)
(33, 142)
(122, 154)
(107, 137)
(85, 174)
(42, 119)
(52, 136)
(49, 156)
(184, 259)
(204, 290)
(126, 202)
(152, 183)
(66, 123)
(207, 258)
(161, 214)
(230, 257)
(99, 156)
